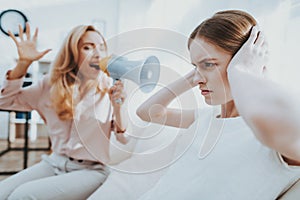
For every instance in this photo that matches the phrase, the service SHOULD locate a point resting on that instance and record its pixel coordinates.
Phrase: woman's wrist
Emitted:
(19, 71)
(14, 74)
(24, 63)
(120, 131)
(183, 84)
(116, 128)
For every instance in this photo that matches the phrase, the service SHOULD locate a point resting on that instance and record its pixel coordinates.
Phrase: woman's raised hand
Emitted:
(26, 46)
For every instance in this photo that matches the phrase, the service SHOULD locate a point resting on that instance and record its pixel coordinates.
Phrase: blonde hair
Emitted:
(64, 73)
(228, 30)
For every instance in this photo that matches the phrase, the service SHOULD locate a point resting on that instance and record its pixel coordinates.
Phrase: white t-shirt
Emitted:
(238, 167)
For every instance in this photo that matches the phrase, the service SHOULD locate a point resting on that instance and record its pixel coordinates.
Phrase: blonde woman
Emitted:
(77, 102)
(250, 149)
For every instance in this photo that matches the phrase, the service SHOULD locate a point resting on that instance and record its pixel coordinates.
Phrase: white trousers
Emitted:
(55, 177)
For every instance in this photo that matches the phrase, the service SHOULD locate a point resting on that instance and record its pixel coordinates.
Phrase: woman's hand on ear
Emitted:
(252, 57)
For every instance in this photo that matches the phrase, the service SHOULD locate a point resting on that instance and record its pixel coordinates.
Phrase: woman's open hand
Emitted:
(27, 50)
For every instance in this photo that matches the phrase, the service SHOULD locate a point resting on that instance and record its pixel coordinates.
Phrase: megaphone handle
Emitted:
(119, 100)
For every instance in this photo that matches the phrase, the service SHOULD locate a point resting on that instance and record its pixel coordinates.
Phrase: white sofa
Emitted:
(148, 161)
(128, 181)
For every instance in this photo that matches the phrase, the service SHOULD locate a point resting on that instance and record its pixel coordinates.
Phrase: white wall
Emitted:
(173, 21)
(55, 19)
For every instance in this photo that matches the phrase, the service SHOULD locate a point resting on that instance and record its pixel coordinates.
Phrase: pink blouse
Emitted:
(85, 137)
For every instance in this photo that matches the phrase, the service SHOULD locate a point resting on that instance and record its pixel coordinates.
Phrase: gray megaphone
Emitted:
(144, 73)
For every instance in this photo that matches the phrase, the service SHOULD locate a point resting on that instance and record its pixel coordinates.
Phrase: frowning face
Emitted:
(211, 64)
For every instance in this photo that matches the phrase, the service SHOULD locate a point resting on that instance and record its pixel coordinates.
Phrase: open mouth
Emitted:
(96, 66)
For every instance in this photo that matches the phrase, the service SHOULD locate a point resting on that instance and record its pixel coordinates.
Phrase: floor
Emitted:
(13, 160)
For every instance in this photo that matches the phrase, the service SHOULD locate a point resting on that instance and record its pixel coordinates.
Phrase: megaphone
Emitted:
(144, 73)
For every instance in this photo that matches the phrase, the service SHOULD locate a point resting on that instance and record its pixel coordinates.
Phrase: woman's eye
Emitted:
(208, 65)
(87, 47)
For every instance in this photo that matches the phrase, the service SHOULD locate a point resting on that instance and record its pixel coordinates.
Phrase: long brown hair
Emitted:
(64, 73)
(226, 29)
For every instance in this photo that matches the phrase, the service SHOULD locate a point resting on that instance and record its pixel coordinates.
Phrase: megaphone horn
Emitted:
(144, 73)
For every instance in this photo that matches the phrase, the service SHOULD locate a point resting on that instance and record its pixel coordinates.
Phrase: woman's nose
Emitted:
(198, 77)
(98, 52)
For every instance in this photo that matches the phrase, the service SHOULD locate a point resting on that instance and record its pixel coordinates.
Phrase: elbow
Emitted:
(149, 114)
